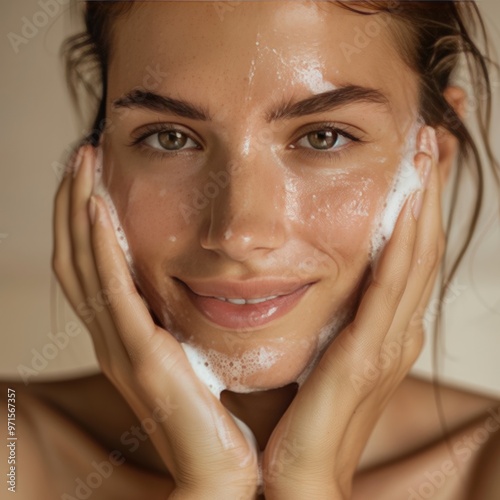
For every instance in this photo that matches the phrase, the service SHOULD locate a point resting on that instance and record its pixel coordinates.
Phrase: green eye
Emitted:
(322, 139)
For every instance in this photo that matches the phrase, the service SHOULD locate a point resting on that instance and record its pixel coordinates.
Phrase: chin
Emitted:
(274, 365)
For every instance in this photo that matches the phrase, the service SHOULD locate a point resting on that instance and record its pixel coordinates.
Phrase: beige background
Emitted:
(38, 123)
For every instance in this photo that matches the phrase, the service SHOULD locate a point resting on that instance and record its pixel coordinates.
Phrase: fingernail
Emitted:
(78, 161)
(92, 208)
(416, 204)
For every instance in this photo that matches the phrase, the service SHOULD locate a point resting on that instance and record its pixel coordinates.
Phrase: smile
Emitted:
(249, 301)
(247, 305)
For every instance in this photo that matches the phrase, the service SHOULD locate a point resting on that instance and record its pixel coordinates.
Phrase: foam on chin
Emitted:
(221, 372)
(212, 367)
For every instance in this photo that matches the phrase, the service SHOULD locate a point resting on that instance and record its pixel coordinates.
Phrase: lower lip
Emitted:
(245, 316)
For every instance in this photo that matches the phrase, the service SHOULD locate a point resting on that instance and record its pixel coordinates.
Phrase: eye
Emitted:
(170, 140)
(324, 139)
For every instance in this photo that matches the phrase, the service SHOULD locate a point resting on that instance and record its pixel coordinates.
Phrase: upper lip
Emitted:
(244, 289)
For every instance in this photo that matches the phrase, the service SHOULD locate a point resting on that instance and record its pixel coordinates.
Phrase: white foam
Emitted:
(405, 183)
(101, 190)
(222, 371)
(203, 370)
(310, 74)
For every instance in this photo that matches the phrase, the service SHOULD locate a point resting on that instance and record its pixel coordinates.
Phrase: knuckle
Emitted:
(59, 265)
(112, 369)
(429, 257)
(56, 264)
(392, 290)
(411, 350)
(59, 199)
(80, 259)
(82, 277)
(395, 290)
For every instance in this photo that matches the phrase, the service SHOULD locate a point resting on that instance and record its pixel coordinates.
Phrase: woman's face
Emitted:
(250, 149)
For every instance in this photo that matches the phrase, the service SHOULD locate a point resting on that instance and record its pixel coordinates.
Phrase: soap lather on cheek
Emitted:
(405, 183)
(216, 369)
(101, 190)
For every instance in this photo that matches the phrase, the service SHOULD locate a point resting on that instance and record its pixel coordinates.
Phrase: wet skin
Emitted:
(292, 197)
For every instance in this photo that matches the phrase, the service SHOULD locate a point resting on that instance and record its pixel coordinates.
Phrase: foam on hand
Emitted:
(405, 183)
(101, 190)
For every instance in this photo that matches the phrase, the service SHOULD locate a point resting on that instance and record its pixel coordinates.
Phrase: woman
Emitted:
(251, 235)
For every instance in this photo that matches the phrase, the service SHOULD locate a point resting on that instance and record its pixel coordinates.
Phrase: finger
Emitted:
(431, 240)
(81, 191)
(361, 341)
(63, 253)
(102, 328)
(62, 256)
(429, 243)
(379, 304)
(82, 252)
(133, 322)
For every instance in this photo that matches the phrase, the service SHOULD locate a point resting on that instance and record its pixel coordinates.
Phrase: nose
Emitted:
(247, 218)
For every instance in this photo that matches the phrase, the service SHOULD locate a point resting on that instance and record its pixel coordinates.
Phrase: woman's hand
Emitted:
(199, 442)
(315, 448)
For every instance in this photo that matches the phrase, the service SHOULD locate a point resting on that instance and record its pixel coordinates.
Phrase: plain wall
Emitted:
(38, 124)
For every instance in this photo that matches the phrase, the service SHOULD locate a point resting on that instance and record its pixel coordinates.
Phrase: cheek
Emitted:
(154, 214)
(339, 213)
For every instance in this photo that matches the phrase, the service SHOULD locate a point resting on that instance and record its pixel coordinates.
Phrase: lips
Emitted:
(248, 304)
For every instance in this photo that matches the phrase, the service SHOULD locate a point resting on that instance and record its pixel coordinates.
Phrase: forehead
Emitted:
(257, 50)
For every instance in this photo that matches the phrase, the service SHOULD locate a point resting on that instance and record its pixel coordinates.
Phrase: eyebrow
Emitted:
(155, 102)
(328, 101)
(319, 103)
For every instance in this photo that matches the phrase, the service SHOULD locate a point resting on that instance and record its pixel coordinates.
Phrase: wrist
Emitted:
(220, 493)
(221, 490)
(298, 490)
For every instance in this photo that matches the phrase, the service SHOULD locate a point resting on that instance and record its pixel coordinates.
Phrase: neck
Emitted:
(261, 411)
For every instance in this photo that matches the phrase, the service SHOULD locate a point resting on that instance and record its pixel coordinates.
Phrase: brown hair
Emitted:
(435, 39)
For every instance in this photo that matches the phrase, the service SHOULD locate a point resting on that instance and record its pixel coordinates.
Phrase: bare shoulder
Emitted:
(420, 414)
(24, 450)
(57, 451)
(422, 449)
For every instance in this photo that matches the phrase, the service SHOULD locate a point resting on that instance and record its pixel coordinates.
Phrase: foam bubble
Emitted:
(101, 190)
(405, 183)
(310, 73)
(203, 370)
(215, 369)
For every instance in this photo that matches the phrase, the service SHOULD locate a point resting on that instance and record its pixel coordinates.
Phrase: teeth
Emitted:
(240, 302)
(236, 301)
(258, 301)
